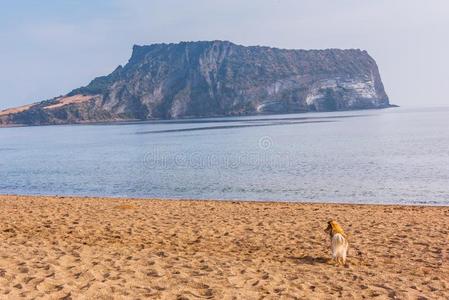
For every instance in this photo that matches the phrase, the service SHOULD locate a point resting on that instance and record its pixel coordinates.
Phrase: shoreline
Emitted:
(318, 202)
(187, 119)
(119, 248)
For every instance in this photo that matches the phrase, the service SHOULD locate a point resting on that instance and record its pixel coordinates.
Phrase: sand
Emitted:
(86, 248)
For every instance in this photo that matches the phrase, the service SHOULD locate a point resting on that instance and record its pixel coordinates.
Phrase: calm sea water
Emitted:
(382, 156)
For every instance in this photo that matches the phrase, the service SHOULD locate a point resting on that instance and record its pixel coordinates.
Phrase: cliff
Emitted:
(216, 78)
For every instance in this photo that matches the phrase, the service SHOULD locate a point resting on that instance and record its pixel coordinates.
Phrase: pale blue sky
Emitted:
(49, 47)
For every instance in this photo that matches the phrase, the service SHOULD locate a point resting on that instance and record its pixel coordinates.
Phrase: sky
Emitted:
(49, 47)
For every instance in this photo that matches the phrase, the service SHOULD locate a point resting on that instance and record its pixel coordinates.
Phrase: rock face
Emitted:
(216, 78)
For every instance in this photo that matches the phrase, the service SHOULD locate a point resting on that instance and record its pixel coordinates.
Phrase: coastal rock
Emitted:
(215, 78)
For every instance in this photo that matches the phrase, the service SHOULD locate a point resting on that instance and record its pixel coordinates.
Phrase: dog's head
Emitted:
(333, 227)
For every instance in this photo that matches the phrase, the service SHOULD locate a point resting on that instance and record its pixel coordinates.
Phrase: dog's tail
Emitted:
(339, 247)
(339, 239)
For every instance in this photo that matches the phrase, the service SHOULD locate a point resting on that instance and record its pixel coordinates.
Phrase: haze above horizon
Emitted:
(53, 47)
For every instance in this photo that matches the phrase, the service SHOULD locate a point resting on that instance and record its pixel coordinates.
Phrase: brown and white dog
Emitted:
(339, 242)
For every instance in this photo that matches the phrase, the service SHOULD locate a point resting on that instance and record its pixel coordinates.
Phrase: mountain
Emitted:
(215, 78)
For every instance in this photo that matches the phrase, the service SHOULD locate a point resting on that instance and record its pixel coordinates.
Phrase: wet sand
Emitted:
(98, 248)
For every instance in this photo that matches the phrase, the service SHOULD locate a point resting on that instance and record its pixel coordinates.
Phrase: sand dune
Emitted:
(85, 248)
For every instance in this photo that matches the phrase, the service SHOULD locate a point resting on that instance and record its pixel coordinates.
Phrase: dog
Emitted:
(339, 242)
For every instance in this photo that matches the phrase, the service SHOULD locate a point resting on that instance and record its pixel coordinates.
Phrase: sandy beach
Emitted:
(98, 248)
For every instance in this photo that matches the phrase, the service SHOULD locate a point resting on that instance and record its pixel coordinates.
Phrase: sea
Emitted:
(390, 156)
